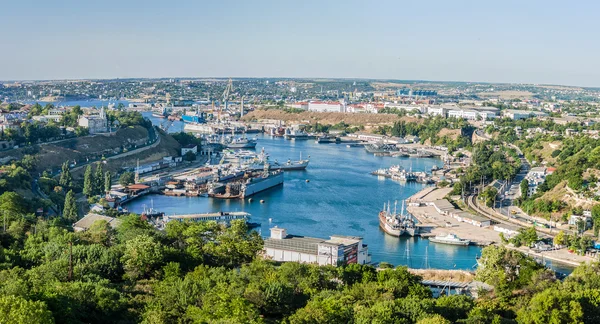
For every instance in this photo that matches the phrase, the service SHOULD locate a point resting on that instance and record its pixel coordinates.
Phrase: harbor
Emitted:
(337, 194)
(340, 197)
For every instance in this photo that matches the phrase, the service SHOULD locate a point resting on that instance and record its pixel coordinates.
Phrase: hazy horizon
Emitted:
(536, 42)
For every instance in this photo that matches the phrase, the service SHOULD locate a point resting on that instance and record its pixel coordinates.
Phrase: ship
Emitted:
(451, 239)
(404, 176)
(397, 224)
(380, 148)
(327, 139)
(161, 113)
(263, 158)
(292, 133)
(150, 213)
(277, 132)
(241, 142)
(248, 186)
(195, 117)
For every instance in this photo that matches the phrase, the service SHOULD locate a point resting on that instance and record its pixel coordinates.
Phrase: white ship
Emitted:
(449, 239)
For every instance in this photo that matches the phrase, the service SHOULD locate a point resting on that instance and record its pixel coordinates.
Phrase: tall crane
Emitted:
(228, 90)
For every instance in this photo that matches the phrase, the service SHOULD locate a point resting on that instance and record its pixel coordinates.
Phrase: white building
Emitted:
(189, 148)
(338, 250)
(436, 111)
(535, 177)
(95, 123)
(522, 114)
(326, 106)
(471, 114)
(586, 219)
(508, 230)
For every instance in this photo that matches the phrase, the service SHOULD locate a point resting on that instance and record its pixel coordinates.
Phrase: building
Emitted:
(475, 220)
(338, 250)
(535, 177)
(299, 105)
(326, 106)
(522, 114)
(88, 220)
(585, 218)
(189, 148)
(436, 111)
(508, 230)
(95, 123)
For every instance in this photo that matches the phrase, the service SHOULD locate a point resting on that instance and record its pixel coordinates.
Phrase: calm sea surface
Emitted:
(341, 198)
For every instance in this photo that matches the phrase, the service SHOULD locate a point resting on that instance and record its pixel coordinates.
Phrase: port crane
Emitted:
(226, 93)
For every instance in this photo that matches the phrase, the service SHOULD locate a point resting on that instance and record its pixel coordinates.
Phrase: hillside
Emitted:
(94, 147)
(330, 118)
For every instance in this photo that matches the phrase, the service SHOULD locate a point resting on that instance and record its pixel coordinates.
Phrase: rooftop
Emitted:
(138, 186)
(443, 204)
(89, 219)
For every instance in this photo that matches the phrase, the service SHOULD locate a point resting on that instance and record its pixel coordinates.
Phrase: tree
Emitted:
(524, 188)
(435, 319)
(552, 306)
(70, 210)
(99, 179)
(126, 179)
(14, 309)
(189, 156)
(559, 239)
(142, 255)
(88, 182)
(107, 181)
(66, 179)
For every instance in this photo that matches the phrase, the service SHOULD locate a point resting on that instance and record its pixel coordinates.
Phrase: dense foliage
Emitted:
(430, 129)
(204, 272)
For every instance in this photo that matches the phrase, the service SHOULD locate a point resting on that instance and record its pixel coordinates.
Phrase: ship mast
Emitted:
(402, 210)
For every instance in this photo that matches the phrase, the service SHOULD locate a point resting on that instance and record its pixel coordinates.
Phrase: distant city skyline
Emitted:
(533, 42)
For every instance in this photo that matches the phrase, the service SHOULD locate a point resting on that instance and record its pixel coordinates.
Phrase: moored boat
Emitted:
(397, 224)
(451, 239)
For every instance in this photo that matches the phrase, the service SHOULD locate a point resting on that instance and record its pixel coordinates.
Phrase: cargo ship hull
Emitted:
(192, 119)
(388, 228)
(257, 185)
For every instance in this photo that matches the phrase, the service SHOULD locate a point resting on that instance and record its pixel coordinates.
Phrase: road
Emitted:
(512, 191)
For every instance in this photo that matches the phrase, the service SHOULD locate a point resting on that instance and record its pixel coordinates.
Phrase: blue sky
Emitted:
(496, 41)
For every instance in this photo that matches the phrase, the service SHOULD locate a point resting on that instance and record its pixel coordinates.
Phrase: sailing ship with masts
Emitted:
(395, 224)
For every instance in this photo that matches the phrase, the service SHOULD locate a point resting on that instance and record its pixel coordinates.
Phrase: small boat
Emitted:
(451, 239)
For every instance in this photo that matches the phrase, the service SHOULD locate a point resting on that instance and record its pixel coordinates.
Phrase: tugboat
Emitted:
(451, 239)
